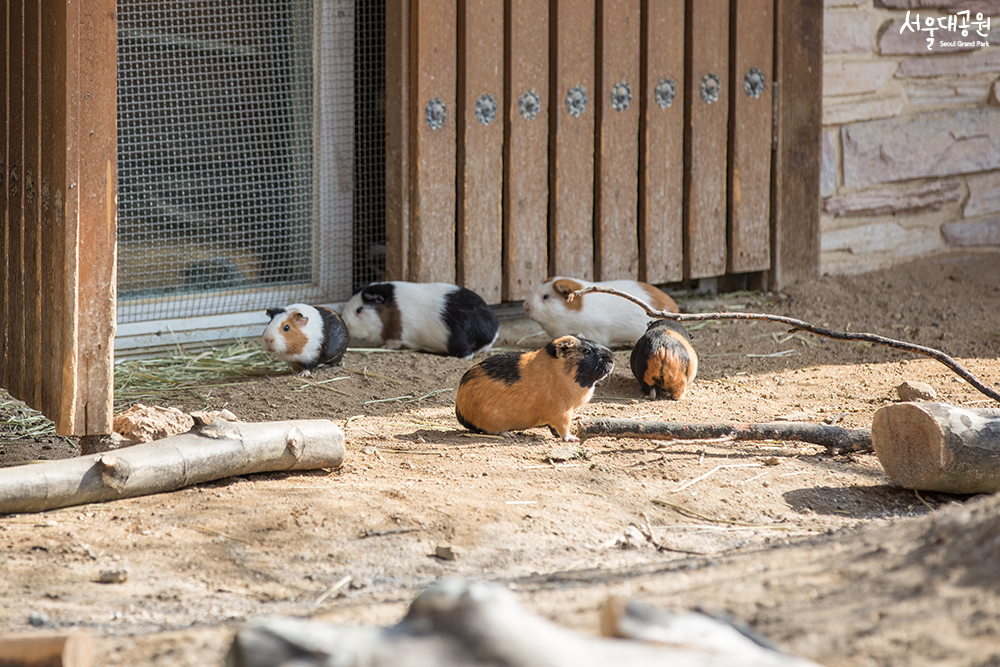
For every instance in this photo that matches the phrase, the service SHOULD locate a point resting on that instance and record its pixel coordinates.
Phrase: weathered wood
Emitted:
(939, 447)
(14, 341)
(397, 138)
(33, 317)
(708, 138)
(661, 144)
(749, 229)
(526, 159)
(479, 217)
(4, 200)
(433, 76)
(456, 623)
(795, 234)
(834, 438)
(571, 150)
(223, 449)
(616, 154)
(47, 649)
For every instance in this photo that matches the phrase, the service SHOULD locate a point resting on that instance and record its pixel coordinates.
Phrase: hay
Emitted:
(19, 422)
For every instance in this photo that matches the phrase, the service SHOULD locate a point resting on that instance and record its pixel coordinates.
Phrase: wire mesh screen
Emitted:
(236, 153)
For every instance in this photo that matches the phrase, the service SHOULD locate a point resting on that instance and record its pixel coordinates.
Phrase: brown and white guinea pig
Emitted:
(663, 360)
(604, 318)
(305, 336)
(433, 317)
(512, 391)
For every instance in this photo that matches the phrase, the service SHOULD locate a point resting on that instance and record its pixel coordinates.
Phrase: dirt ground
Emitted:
(823, 554)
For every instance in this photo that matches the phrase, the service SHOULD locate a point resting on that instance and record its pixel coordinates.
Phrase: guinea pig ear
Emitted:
(372, 297)
(564, 346)
(301, 319)
(271, 312)
(565, 286)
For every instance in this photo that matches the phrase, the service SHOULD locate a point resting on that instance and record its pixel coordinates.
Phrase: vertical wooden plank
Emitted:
(708, 136)
(397, 138)
(4, 210)
(526, 178)
(616, 159)
(98, 178)
(571, 188)
(33, 322)
(433, 76)
(795, 237)
(481, 101)
(750, 135)
(661, 143)
(15, 206)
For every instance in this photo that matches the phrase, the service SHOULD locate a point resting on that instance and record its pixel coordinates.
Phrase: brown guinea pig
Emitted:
(664, 359)
(512, 391)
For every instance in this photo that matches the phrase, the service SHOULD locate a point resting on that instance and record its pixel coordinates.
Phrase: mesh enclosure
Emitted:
(244, 180)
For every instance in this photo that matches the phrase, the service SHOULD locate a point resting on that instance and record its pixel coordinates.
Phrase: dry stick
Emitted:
(799, 325)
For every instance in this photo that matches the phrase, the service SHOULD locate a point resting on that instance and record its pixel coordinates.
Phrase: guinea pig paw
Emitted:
(507, 434)
(569, 437)
(304, 373)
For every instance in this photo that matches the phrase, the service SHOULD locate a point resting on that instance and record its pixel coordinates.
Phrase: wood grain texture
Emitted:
(616, 193)
(795, 234)
(708, 135)
(479, 219)
(433, 74)
(526, 177)
(571, 188)
(397, 138)
(4, 199)
(661, 145)
(750, 138)
(14, 342)
(33, 320)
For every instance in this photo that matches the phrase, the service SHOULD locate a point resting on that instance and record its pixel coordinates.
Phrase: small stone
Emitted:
(118, 575)
(561, 455)
(916, 391)
(446, 552)
(38, 619)
(793, 417)
(368, 450)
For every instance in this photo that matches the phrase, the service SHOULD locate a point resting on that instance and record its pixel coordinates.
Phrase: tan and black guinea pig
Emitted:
(305, 336)
(513, 391)
(663, 360)
(603, 318)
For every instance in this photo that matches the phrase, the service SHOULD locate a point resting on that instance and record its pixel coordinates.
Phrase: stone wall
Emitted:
(911, 136)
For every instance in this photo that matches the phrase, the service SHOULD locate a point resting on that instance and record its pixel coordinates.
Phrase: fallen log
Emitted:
(458, 624)
(47, 649)
(939, 447)
(221, 449)
(836, 439)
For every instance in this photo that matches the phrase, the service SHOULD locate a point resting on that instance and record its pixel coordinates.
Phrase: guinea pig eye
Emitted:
(545, 297)
(286, 328)
(359, 309)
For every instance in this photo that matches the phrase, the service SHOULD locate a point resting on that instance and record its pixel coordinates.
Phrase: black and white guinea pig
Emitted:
(604, 318)
(663, 360)
(433, 317)
(305, 336)
(512, 391)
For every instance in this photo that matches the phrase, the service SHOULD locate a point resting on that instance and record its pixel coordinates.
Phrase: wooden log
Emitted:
(222, 449)
(836, 439)
(939, 447)
(46, 649)
(459, 624)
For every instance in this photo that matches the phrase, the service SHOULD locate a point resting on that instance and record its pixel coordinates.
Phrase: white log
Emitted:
(939, 447)
(221, 449)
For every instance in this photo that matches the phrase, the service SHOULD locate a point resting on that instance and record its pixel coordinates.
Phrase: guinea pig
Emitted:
(604, 318)
(433, 317)
(305, 336)
(664, 359)
(512, 391)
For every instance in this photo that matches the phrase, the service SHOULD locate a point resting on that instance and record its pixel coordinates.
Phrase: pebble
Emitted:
(916, 391)
(446, 552)
(38, 619)
(117, 575)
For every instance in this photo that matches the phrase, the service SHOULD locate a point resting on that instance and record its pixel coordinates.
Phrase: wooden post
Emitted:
(14, 340)
(661, 143)
(397, 138)
(526, 159)
(939, 447)
(47, 649)
(750, 136)
(616, 155)
(479, 217)
(707, 114)
(571, 137)
(795, 236)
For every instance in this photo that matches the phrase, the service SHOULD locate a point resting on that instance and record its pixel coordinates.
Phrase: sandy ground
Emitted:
(823, 554)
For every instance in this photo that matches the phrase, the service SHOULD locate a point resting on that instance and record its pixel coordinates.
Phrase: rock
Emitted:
(38, 619)
(561, 455)
(993, 98)
(842, 111)
(922, 146)
(206, 417)
(884, 200)
(828, 165)
(916, 391)
(892, 42)
(847, 31)
(881, 237)
(143, 423)
(117, 575)
(947, 90)
(983, 61)
(984, 195)
(972, 234)
(793, 417)
(446, 552)
(98, 444)
(856, 78)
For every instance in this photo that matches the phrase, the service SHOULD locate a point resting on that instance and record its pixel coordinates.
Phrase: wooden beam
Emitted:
(397, 138)
(14, 320)
(33, 239)
(5, 119)
(798, 62)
